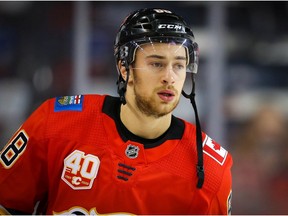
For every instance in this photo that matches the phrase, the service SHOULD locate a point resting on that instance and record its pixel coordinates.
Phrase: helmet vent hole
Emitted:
(188, 30)
(144, 20)
(143, 26)
(165, 16)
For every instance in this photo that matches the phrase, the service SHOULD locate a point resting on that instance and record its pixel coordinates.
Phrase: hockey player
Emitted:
(98, 154)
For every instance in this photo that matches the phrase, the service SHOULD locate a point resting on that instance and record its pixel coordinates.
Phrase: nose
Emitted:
(168, 77)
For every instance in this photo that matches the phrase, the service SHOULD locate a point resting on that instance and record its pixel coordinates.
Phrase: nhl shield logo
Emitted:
(132, 151)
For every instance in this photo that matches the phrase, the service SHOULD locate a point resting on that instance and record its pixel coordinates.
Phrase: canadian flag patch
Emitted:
(214, 150)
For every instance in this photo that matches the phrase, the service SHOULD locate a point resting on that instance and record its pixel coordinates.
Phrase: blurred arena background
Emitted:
(55, 48)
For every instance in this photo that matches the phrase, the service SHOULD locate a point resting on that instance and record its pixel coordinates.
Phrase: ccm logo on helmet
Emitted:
(170, 26)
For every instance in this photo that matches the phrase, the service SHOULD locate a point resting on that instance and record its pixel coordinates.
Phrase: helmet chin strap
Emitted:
(199, 167)
(122, 84)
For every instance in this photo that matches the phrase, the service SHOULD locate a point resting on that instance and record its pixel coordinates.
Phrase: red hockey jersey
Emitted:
(74, 156)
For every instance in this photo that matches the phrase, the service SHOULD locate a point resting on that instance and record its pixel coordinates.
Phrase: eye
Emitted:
(156, 64)
(179, 67)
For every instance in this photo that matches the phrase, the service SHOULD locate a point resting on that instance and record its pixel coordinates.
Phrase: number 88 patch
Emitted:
(14, 149)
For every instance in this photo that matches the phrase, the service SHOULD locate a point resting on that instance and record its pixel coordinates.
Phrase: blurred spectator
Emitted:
(259, 183)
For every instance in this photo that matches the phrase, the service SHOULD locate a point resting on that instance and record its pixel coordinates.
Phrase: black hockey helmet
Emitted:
(154, 25)
(151, 25)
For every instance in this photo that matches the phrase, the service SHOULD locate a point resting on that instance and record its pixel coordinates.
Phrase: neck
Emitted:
(142, 125)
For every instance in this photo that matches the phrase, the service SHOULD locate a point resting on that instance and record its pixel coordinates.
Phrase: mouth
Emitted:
(166, 95)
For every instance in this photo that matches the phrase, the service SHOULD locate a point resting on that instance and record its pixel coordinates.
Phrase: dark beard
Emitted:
(149, 107)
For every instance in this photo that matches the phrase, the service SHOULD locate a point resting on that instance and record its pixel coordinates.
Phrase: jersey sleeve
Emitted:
(23, 166)
(222, 202)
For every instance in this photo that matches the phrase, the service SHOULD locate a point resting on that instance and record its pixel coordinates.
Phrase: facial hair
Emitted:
(148, 105)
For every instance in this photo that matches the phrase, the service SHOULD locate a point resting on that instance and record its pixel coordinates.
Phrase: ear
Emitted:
(122, 69)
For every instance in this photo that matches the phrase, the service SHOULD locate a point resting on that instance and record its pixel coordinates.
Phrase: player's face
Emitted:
(158, 75)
